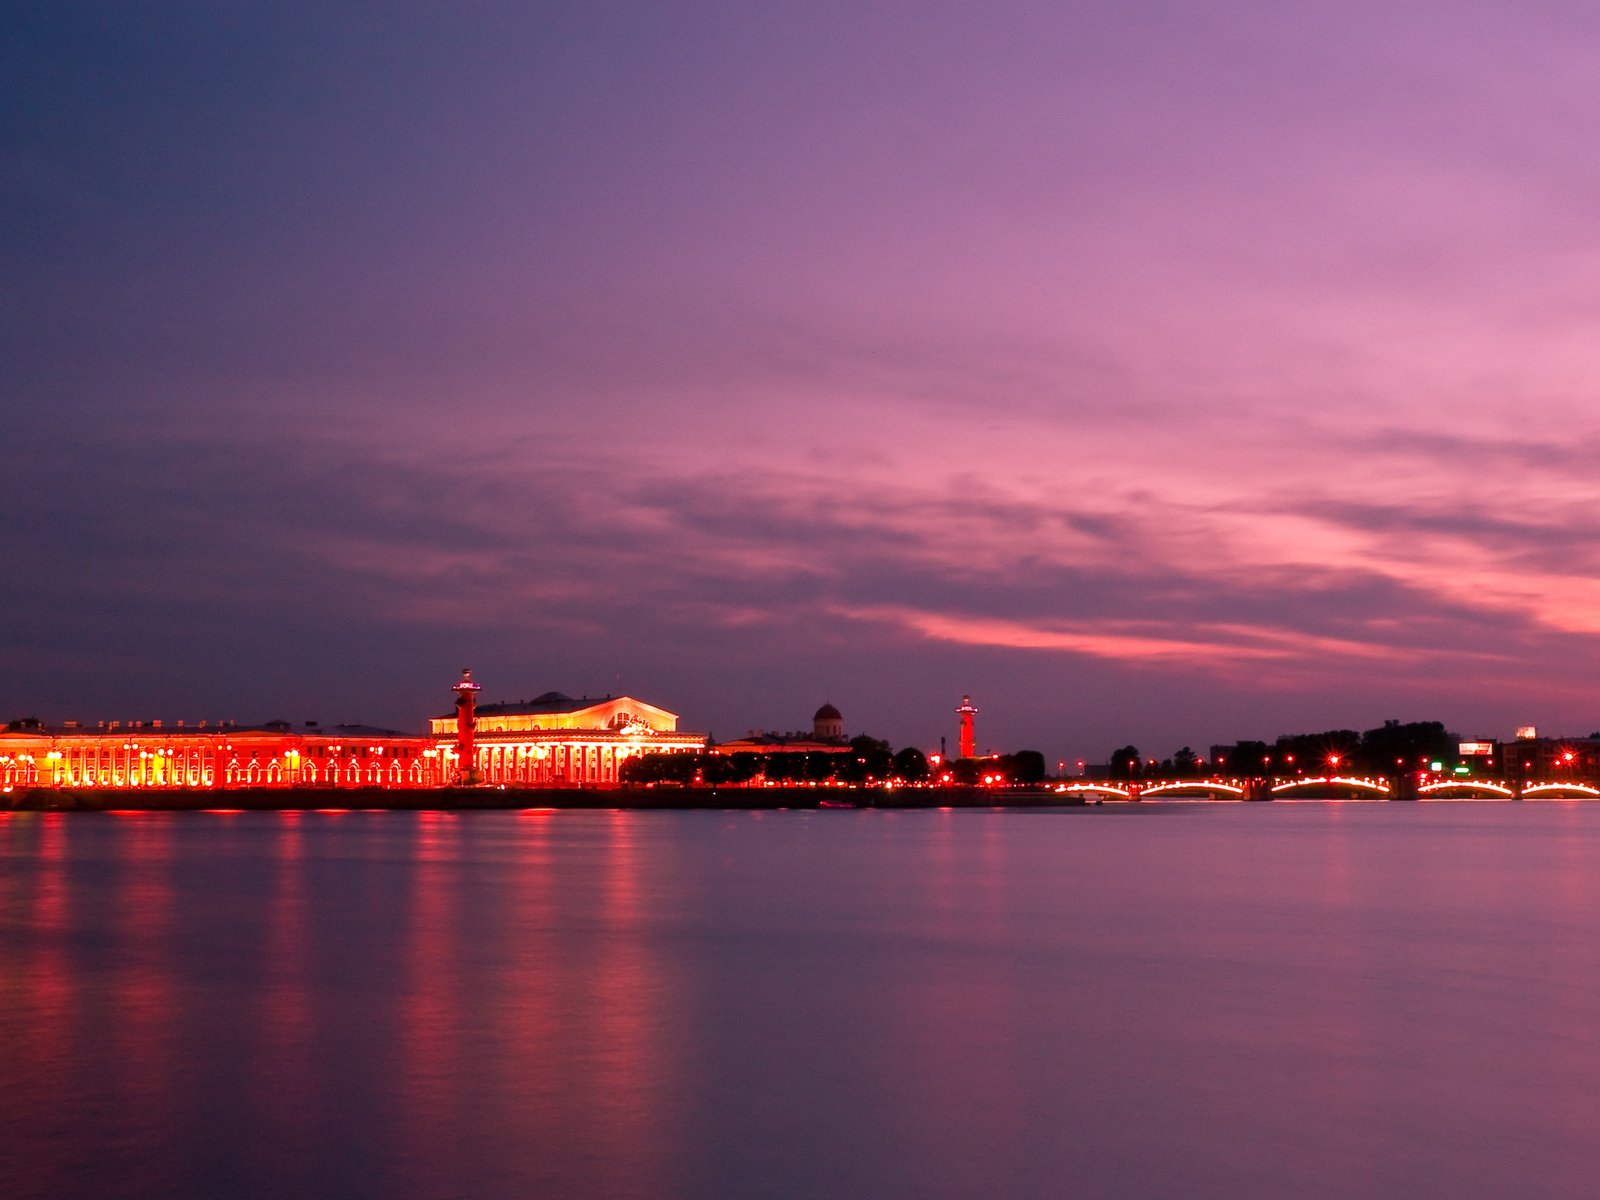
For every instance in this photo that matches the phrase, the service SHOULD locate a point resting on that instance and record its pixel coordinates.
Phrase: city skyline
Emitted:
(950, 745)
(1155, 373)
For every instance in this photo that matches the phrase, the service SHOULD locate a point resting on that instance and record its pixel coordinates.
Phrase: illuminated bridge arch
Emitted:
(1482, 788)
(1093, 789)
(1570, 791)
(1372, 787)
(1207, 787)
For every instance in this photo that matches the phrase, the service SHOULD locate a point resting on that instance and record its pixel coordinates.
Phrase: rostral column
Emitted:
(969, 741)
(466, 724)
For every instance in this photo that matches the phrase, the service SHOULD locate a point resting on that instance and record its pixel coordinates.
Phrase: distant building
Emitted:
(553, 740)
(826, 737)
(1549, 757)
(274, 754)
(827, 724)
(556, 740)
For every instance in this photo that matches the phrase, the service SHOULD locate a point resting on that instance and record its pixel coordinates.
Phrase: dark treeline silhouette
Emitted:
(1391, 747)
(1025, 767)
(867, 761)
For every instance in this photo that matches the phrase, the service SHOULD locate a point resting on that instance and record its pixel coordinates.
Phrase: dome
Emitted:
(828, 713)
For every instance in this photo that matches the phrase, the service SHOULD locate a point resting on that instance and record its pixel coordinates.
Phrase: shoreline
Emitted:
(502, 799)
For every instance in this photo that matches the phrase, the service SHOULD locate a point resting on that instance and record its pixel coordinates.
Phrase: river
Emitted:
(1231, 1001)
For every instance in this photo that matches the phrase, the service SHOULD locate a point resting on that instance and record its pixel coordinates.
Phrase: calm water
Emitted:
(1230, 1001)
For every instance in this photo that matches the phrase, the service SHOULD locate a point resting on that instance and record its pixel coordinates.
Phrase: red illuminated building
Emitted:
(551, 741)
(276, 754)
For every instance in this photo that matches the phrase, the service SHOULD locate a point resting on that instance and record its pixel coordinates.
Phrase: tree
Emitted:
(1125, 763)
(660, 768)
(1026, 767)
(911, 765)
(1394, 746)
(1185, 764)
(966, 771)
(1312, 753)
(1247, 759)
(868, 759)
(730, 768)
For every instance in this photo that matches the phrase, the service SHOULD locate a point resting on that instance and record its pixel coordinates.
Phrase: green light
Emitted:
(1463, 770)
(1436, 766)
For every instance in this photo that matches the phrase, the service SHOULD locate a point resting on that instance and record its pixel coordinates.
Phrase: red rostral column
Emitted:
(969, 743)
(466, 723)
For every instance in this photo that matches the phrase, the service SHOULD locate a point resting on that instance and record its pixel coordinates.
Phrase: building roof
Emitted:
(547, 704)
(828, 713)
(782, 743)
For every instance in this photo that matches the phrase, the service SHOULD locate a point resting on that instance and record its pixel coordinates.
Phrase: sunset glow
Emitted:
(1150, 372)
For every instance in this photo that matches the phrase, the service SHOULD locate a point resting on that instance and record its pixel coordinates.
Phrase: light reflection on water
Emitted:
(1239, 1001)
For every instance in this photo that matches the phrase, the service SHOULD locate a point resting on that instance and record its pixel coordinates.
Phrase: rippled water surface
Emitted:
(1356, 1000)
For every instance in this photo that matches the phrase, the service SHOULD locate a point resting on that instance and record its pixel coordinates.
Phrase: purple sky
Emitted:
(1166, 372)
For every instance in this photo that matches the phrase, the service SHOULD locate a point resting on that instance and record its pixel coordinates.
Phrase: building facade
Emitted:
(825, 737)
(553, 741)
(1549, 758)
(147, 754)
(557, 741)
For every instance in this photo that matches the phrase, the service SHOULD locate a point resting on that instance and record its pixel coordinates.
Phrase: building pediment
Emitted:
(556, 711)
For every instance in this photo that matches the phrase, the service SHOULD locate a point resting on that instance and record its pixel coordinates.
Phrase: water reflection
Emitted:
(626, 1055)
(431, 1085)
(282, 1060)
(136, 993)
(38, 1000)
(1308, 1000)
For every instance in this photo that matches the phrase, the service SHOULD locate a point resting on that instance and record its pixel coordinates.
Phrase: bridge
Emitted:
(1332, 787)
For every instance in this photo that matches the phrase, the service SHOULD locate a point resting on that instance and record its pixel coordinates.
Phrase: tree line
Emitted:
(1381, 751)
(868, 761)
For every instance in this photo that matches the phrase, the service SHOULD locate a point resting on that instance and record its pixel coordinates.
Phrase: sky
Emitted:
(1165, 373)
